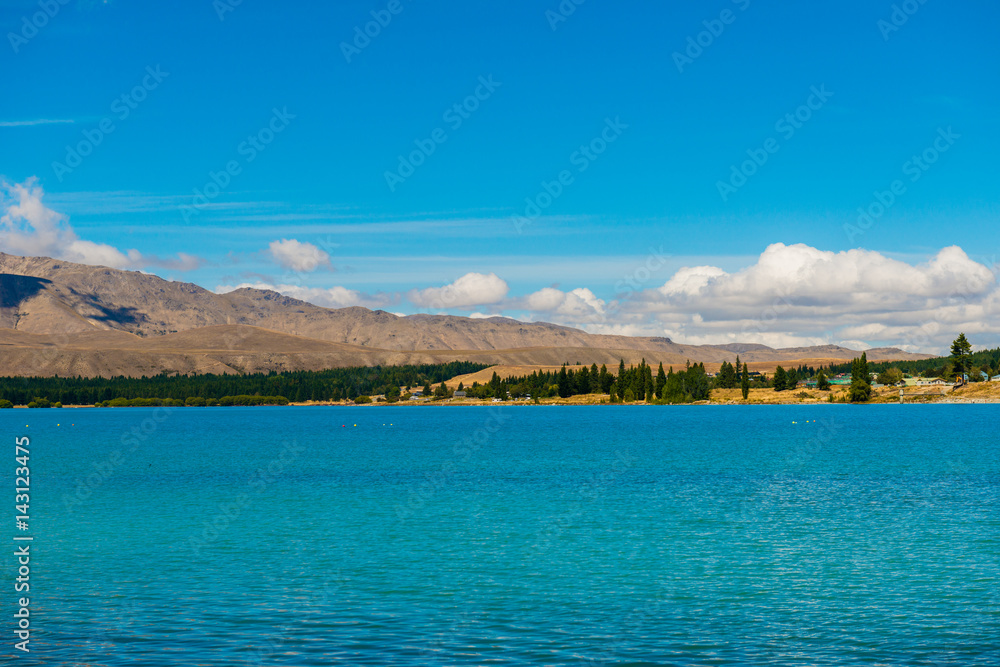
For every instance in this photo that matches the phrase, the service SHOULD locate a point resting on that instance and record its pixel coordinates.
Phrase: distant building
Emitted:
(459, 394)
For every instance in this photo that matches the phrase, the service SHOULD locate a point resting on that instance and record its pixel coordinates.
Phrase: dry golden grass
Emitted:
(772, 397)
(974, 393)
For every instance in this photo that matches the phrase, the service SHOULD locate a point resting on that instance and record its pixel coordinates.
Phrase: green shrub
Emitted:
(361, 400)
(5, 404)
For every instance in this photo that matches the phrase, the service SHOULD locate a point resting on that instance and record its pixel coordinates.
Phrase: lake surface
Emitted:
(511, 536)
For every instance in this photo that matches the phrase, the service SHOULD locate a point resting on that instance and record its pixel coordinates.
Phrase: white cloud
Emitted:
(798, 295)
(28, 227)
(574, 307)
(298, 256)
(328, 297)
(472, 289)
(691, 280)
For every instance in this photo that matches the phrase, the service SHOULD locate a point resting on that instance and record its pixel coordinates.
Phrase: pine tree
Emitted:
(661, 381)
(745, 382)
(728, 376)
(821, 382)
(860, 390)
(863, 370)
(961, 349)
(779, 379)
(606, 379)
(563, 382)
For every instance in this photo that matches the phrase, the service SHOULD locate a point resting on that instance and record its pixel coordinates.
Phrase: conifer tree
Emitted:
(779, 379)
(745, 382)
(961, 349)
(821, 382)
(860, 390)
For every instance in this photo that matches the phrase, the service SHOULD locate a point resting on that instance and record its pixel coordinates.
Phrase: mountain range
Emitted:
(61, 318)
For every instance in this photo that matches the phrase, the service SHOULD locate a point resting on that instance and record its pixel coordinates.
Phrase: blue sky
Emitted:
(681, 116)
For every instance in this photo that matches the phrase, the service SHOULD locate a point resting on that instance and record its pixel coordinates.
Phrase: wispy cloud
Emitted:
(38, 121)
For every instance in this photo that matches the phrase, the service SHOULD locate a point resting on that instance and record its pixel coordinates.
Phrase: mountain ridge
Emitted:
(46, 298)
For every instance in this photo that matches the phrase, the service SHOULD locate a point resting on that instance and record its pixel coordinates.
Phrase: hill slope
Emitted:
(62, 318)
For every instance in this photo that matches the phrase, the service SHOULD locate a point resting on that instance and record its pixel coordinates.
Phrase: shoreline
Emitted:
(443, 404)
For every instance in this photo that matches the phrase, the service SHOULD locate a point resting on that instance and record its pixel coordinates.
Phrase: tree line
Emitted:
(297, 386)
(628, 385)
(961, 361)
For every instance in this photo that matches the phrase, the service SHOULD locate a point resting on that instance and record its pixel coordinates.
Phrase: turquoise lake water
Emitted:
(511, 536)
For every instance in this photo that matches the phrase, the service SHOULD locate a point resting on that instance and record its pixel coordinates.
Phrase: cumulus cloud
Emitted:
(472, 289)
(329, 297)
(298, 256)
(28, 227)
(574, 307)
(798, 295)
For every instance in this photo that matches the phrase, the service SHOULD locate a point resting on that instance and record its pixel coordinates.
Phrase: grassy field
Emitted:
(985, 392)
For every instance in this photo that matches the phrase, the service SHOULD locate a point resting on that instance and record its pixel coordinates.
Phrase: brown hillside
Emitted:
(62, 318)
